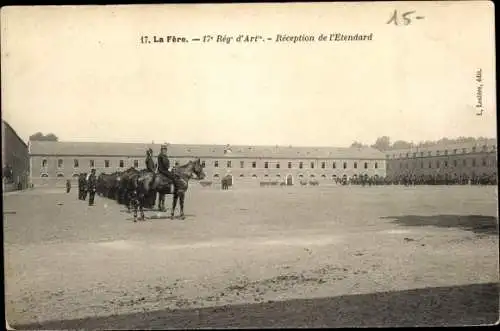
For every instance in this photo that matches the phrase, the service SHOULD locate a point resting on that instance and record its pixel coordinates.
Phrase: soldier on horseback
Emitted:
(164, 165)
(150, 164)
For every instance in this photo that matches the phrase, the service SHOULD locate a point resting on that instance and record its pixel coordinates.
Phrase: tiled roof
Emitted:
(489, 143)
(203, 151)
(7, 125)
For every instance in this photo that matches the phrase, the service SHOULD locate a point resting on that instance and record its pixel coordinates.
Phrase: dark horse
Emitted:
(226, 181)
(148, 183)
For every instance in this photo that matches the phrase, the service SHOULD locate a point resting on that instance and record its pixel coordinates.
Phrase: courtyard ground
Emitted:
(255, 257)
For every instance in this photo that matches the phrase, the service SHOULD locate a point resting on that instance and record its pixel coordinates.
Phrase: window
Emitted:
(266, 164)
(216, 164)
(75, 163)
(289, 165)
(323, 176)
(422, 154)
(455, 163)
(323, 165)
(387, 156)
(400, 165)
(464, 150)
(229, 164)
(216, 175)
(242, 164)
(254, 176)
(241, 175)
(254, 165)
(266, 175)
(312, 165)
(203, 164)
(429, 153)
(60, 163)
(473, 162)
(301, 165)
(59, 175)
(121, 163)
(474, 149)
(44, 175)
(407, 154)
(278, 176)
(455, 151)
(277, 165)
(301, 176)
(136, 163)
(437, 164)
(464, 163)
(106, 163)
(366, 165)
(312, 176)
(430, 164)
(438, 153)
(376, 165)
(355, 165)
(334, 165)
(422, 165)
(76, 175)
(44, 163)
(484, 162)
(446, 164)
(345, 165)
(91, 163)
(445, 152)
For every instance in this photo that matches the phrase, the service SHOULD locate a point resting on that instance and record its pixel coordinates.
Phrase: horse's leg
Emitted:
(181, 203)
(133, 203)
(142, 201)
(163, 197)
(174, 203)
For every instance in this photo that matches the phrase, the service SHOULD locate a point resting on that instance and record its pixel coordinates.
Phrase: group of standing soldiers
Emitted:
(86, 184)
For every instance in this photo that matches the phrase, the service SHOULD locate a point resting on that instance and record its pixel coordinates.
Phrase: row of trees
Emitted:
(43, 137)
(384, 143)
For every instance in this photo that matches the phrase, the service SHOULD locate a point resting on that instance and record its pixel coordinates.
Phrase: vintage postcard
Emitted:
(250, 165)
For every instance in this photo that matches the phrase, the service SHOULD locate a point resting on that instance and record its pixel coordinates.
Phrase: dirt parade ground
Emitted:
(255, 257)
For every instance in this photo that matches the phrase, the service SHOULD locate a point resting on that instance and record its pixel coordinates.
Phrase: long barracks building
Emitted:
(51, 163)
(469, 160)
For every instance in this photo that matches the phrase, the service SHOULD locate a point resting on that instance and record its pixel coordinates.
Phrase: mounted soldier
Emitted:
(164, 165)
(150, 164)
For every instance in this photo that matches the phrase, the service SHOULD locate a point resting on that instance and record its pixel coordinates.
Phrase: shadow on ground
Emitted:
(456, 305)
(479, 224)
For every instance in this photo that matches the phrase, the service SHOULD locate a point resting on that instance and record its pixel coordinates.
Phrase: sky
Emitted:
(82, 74)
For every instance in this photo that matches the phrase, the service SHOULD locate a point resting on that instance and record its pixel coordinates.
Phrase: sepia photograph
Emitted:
(264, 165)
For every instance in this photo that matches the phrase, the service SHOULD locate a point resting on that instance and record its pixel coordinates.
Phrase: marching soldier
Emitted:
(92, 184)
(164, 165)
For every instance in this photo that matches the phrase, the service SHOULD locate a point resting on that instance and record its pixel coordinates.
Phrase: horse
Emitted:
(127, 187)
(149, 182)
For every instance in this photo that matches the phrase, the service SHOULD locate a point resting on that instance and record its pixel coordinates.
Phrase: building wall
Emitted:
(469, 164)
(15, 154)
(59, 168)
